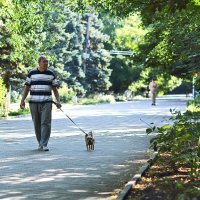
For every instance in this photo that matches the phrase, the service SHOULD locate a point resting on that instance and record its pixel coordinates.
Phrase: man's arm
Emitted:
(25, 94)
(56, 94)
(149, 86)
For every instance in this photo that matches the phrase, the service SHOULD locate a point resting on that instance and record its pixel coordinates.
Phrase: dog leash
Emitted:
(70, 118)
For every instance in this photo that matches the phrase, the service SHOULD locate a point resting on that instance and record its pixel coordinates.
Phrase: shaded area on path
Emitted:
(68, 171)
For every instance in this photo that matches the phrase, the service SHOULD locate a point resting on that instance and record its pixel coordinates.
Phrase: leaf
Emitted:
(149, 130)
(166, 126)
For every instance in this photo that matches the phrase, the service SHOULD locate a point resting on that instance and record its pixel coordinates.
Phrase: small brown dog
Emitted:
(89, 140)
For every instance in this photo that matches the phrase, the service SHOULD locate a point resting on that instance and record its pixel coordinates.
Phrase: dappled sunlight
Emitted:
(15, 135)
(113, 173)
(128, 130)
(54, 175)
(78, 191)
(119, 166)
(12, 141)
(140, 161)
(68, 169)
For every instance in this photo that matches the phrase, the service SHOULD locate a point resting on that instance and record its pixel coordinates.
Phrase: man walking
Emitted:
(40, 83)
(153, 91)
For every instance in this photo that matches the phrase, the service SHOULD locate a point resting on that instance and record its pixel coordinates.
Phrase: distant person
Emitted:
(40, 82)
(128, 95)
(153, 91)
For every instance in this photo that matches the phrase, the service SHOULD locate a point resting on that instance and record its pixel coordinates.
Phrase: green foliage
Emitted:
(165, 82)
(181, 139)
(194, 105)
(25, 111)
(19, 112)
(131, 34)
(15, 97)
(84, 75)
(66, 94)
(172, 43)
(124, 8)
(31, 28)
(124, 69)
(196, 80)
(185, 192)
(128, 72)
(19, 25)
(2, 92)
(97, 100)
(26, 32)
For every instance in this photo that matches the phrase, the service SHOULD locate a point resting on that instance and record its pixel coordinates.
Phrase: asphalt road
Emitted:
(68, 171)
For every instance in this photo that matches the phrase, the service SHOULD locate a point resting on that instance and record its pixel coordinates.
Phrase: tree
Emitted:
(128, 37)
(172, 44)
(22, 36)
(97, 71)
(2, 92)
(174, 30)
(86, 75)
(125, 8)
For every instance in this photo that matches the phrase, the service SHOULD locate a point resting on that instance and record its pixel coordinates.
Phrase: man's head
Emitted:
(43, 63)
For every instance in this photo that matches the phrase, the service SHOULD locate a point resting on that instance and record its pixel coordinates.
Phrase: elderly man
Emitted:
(40, 83)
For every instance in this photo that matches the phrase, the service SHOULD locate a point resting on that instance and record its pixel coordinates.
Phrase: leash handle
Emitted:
(70, 119)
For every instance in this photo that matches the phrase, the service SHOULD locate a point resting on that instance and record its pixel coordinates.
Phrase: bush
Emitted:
(2, 98)
(15, 96)
(2, 92)
(66, 94)
(194, 105)
(97, 99)
(19, 112)
(181, 140)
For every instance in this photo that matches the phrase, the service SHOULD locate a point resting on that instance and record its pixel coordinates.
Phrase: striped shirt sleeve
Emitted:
(28, 80)
(55, 83)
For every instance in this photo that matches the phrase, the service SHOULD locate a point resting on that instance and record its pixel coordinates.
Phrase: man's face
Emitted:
(43, 64)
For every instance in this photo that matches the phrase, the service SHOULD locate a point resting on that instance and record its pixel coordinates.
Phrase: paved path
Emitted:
(68, 171)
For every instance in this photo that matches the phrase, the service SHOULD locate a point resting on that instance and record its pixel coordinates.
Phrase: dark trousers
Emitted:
(41, 116)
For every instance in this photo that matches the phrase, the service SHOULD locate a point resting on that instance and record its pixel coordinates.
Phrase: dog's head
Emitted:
(89, 137)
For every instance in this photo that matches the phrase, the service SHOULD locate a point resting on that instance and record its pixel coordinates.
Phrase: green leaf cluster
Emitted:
(181, 139)
(22, 33)
(32, 28)
(172, 44)
(2, 92)
(85, 75)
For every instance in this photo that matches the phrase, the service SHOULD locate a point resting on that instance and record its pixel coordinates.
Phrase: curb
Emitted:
(131, 184)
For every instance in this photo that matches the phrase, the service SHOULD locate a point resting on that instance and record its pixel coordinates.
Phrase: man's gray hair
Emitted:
(42, 58)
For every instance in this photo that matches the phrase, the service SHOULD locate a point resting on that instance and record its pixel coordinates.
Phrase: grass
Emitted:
(19, 112)
(97, 100)
(15, 112)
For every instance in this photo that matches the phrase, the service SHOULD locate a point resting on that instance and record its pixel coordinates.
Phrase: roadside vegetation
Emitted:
(175, 173)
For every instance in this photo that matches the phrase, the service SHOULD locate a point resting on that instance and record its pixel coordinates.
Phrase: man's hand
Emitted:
(22, 105)
(58, 105)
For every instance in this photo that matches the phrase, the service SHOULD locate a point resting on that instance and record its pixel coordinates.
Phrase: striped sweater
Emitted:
(41, 84)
